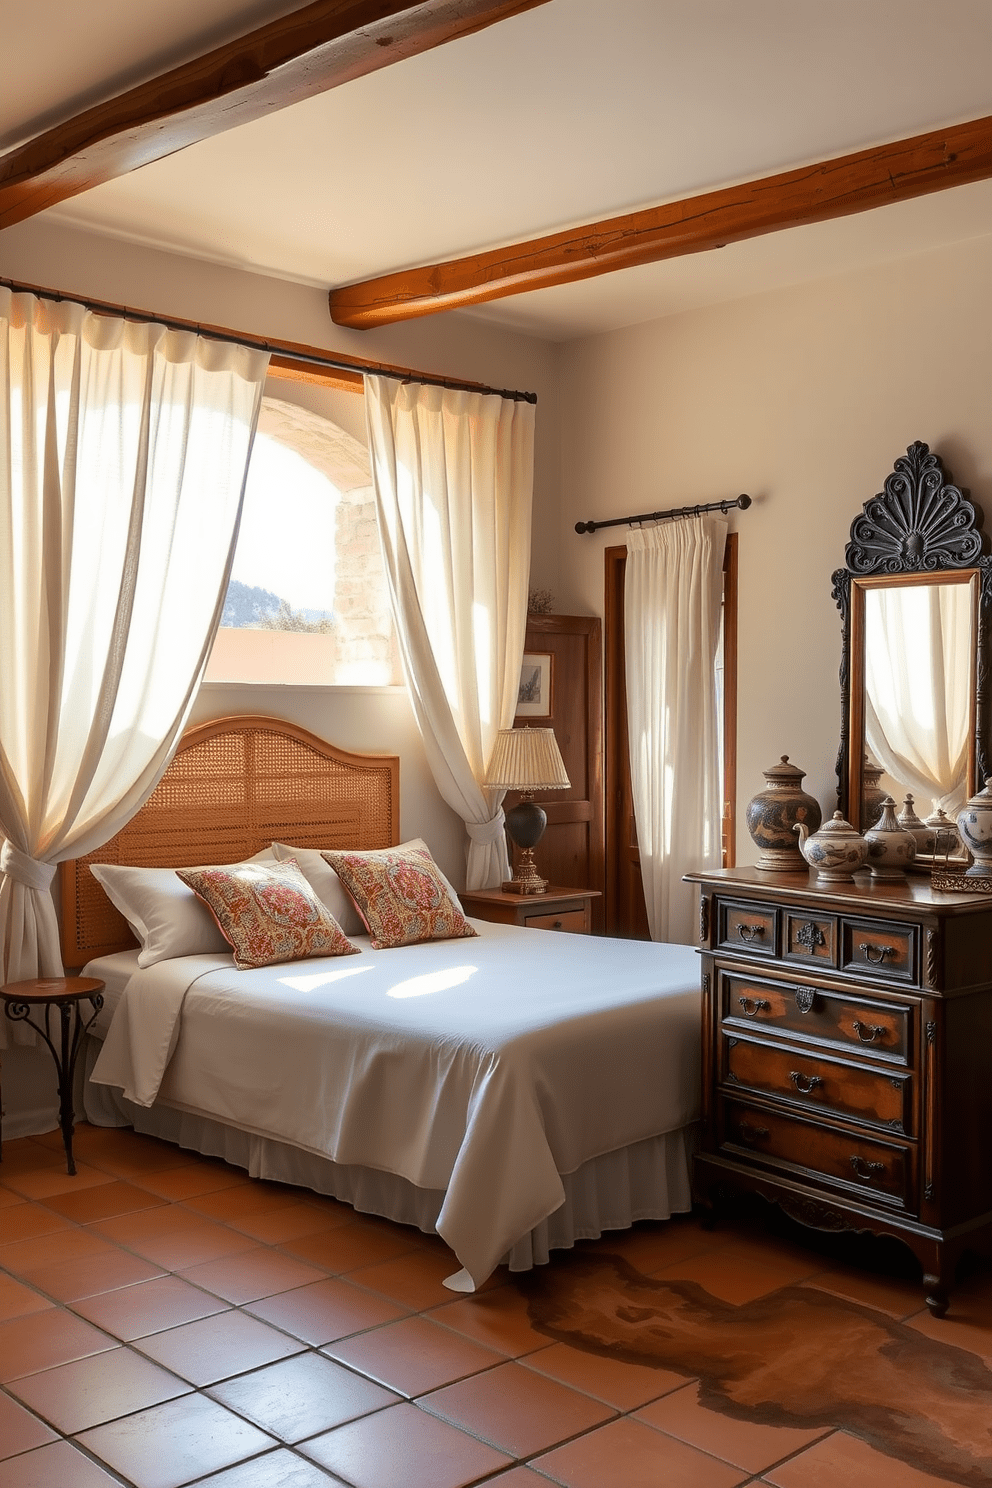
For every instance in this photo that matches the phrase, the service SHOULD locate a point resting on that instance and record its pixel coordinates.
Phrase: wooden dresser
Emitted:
(847, 1057)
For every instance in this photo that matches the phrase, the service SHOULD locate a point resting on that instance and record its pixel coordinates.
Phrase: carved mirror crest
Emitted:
(915, 603)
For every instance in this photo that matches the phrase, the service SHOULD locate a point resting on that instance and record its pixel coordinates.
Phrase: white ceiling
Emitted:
(578, 110)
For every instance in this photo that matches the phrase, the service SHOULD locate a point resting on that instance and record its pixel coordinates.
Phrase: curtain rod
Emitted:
(310, 356)
(676, 511)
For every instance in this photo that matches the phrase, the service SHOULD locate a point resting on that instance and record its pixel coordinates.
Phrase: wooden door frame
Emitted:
(615, 713)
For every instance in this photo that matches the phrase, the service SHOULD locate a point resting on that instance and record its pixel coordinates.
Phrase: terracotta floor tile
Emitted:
(20, 1431)
(22, 1154)
(327, 1310)
(403, 1448)
(55, 1466)
(413, 1355)
(895, 1295)
(515, 1410)
(25, 1221)
(45, 1339)
(50, 1250)
(624, 1386)
(718, 1273)
(185, 1183)
(300, 1397)
(415, 1279)
(646, 1247)
(498, 1319)
(357, 1243)
(968, 1323)
(745, 1444)
(90, 1391)
(172, 1443)
(518, 1477)
(214, 1348)
(252, 1275)
(627, 1451)
(279, 1469)
(102, 1201)
(292, 1223)
(42, 1182)
(843, 1461)
(17, 1300)
(178, 1239)
(244, 1199)
(138, 1154)
(150, 1307)
(70, 1280)
(8, 1197)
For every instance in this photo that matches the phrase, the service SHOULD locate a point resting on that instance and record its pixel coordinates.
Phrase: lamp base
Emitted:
(526, 879)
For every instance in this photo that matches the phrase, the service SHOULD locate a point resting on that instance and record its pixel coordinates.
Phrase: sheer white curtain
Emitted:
(918, 687)
(673, 589)
(123, 453)
(453, 474)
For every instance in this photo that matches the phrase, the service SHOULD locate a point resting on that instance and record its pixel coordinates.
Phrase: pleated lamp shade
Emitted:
(526, 759)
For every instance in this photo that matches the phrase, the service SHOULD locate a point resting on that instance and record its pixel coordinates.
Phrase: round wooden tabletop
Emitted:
(51, 989)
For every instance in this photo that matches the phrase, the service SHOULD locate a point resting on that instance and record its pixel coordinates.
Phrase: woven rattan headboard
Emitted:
(234, 786)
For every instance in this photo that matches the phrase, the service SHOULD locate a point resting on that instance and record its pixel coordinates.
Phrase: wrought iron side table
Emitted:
(65, 994)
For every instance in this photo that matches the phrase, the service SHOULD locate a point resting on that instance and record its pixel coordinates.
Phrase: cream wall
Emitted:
(803, 398)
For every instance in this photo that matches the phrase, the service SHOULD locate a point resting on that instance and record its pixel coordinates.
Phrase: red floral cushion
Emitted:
(401, 894)
(269, 913)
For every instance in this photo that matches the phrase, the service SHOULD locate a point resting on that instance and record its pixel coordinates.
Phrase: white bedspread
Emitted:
(481, 1067)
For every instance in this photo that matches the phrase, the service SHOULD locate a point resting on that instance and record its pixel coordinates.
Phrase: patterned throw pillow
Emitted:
(269, 913)
(401, 894)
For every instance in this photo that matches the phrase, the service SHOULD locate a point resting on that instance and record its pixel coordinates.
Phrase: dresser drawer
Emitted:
(741, 926)
(809, 938)
(833, 1017)
(879, 948)
(576, 920)
(879, 1170)
(879, 1097)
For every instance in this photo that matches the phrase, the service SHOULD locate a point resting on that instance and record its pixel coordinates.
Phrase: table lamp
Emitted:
(526, 759)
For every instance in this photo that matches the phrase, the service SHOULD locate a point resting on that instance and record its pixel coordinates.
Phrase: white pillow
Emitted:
(328, 887)
(164, 913)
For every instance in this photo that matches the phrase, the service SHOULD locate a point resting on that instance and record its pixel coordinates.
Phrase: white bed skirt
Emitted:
(649, 1180)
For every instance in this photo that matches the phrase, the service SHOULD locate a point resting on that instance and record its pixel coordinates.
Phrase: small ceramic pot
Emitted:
(944, 840)
(890, 846)
(773, 813)
(872, 794)
(975, 826)
(836, 851)
(908, 819)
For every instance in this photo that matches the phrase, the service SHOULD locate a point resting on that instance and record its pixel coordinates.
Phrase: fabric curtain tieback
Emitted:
(24, 870)
(488, 831)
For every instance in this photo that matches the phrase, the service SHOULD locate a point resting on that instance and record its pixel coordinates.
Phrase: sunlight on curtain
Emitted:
(453, 473)
(672, 597)
(123, 450)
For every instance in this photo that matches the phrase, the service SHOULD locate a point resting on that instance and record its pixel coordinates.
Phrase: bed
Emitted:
(513, 1092)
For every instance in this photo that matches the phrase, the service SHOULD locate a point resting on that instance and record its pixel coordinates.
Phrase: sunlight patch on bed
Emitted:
(433, 981)
(322, 978)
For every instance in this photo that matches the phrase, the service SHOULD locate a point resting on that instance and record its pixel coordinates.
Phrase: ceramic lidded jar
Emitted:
(944, 840)
(975, 826)
(908, 818)
(872, 794)
(836, 851)
(890, 846)
(773, 813)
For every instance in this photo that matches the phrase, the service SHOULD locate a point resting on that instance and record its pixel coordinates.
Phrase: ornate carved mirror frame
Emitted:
(918, 527)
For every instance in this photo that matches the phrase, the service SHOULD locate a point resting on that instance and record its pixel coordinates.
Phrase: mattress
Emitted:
(485, 1071)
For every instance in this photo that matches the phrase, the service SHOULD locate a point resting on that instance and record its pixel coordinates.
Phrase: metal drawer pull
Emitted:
(751, 1133)
(804, 1083)
(867, 1032)
(753, 1005)
(556, 925)
(747, 933)
(866, 1170)
(866, 950)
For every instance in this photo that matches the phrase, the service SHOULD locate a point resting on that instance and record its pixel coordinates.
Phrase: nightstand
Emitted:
(557, 909)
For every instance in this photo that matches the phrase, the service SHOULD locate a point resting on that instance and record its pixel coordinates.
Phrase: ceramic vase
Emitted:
(908, 818)
(975, 826)
(872, 794)
(890, 846)
(836, 851)
(772, 814)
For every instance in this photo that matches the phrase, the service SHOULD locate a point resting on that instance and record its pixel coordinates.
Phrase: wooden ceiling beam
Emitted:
(814, 193)
(294, 57)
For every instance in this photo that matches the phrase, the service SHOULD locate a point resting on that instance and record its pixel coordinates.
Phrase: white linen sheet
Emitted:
(484, 1068)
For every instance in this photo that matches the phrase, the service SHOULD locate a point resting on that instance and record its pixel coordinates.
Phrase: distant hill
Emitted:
(248, 606)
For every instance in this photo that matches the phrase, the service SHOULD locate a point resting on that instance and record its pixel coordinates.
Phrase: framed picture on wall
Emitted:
(534, 693)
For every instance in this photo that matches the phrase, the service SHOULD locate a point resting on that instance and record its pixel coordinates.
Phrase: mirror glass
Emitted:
(919, 645)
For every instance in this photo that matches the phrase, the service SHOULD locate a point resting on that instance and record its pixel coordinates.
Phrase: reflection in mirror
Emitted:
(918, 680)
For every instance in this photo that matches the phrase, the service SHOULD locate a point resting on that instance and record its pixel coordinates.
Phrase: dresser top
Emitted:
(863, 894)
